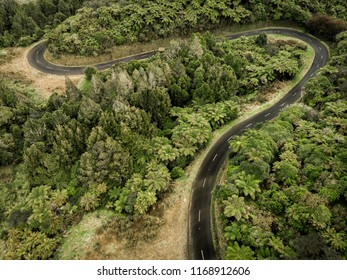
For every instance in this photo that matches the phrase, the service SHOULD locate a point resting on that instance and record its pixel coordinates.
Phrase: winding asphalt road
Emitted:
(200, 244)
(37, 60)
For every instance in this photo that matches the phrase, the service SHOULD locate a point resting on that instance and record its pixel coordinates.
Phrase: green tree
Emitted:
(164, 150)
(89, 201)
(336, 239)
(261, 40)
(192, 133)
(29, 245)
(72, 91)
(235, 207)
(155, 102)
(104, 161)
(89, 71)
(68, 142)
(248, 184)
(89, 111)
(35, 130)
(237, 252)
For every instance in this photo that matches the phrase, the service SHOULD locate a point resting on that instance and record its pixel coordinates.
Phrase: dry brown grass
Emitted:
(114, 53)
(15, 66)
(96, 236)
(136, 48)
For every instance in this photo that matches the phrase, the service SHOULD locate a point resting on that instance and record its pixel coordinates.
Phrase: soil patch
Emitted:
(14, 65)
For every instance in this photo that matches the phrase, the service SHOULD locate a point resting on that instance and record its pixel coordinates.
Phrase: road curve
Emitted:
(37, 60)
(200, 244)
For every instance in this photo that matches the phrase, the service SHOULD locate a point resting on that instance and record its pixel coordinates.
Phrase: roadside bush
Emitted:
(177, 172)
(326, 26)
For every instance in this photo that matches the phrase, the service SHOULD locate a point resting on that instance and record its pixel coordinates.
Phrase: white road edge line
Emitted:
(215, 157)
(203, 185)
(202, 254)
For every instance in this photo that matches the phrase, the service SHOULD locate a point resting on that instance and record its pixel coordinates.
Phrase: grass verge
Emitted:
(217, 228)
(79, 238)
(82, 238)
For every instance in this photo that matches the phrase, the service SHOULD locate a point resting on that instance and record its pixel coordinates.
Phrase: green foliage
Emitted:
(296, 212)
(29, 245)
(22, 24)
(177, 172)
(119, 142)
(326, 26)
(237, 252)
(98, 27)
(89, 72)
(261, 40)
(192, 133)
(235, 207)
(247, 184)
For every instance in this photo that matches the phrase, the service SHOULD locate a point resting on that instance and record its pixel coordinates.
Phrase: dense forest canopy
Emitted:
(285, 196)
(95, 29)
(120, 141)
(22, 24)
(99, 25)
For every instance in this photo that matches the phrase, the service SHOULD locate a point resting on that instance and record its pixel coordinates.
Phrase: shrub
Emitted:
(326, 26)
(89, 72)
(177, 172)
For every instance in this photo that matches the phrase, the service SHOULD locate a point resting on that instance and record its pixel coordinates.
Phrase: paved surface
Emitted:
(37, 60)
(200, 245)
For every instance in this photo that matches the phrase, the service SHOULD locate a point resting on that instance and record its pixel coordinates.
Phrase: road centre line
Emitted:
(276, 108)
(248, 125)
(215, 157)
(193, 213)
(199, 215)
(231, 137)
